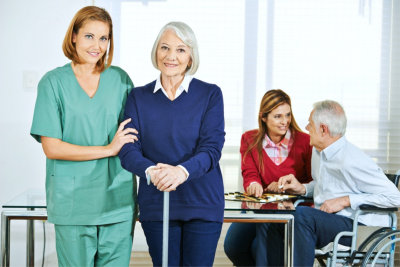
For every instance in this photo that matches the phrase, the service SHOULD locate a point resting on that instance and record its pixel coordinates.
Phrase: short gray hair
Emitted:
(186, 34)
(332, 114)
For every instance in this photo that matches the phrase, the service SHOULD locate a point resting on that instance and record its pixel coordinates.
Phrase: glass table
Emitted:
(274, 212)
(31, 205)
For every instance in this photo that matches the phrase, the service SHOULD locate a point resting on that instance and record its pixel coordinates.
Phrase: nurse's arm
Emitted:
(55, 148)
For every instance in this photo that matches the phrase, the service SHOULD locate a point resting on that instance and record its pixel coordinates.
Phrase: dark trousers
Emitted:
(240, 244)
(312, 229)
(255, 244)
(190, 243)
(269, 244)
(315, 229)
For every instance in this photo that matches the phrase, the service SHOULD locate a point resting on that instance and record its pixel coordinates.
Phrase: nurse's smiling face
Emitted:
(91, 41)
(173, 55)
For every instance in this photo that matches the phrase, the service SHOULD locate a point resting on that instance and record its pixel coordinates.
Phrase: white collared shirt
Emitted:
(183, 87)
(342, 169)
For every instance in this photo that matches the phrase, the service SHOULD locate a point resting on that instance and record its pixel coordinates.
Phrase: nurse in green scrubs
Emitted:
(90, 197)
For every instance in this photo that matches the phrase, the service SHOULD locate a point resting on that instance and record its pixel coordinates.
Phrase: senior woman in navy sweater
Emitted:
(180, 121)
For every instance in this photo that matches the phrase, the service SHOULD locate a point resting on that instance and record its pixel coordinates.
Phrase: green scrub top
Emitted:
(90, 192)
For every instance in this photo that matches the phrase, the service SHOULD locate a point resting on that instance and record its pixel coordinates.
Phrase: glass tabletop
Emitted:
(36, 199)
(285, 206)
(30, 199)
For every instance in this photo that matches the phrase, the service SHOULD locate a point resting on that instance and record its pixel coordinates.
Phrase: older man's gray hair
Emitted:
(331, 114)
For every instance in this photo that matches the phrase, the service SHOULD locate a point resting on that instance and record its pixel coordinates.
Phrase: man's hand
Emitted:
(255, 189)
(335, 205)
(289, 184)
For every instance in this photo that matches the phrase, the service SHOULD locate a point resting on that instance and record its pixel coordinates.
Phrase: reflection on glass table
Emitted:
(258, 211)
(31, 205)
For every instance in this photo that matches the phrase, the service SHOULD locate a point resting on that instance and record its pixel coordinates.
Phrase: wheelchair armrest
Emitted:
(303, 199)
(366, 207)
(306, 199)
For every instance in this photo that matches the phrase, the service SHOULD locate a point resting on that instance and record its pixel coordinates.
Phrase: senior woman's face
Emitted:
(173, 56)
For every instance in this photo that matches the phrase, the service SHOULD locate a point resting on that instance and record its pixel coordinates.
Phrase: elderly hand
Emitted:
(273, 187)
(290, 184)
(335, 205)
(167, 177)
(121, 137)
(255, 189)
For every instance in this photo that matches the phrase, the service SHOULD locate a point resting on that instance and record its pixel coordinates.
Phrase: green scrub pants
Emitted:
(94, 245)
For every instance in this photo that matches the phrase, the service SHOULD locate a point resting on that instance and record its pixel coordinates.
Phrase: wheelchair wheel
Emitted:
(376, 253)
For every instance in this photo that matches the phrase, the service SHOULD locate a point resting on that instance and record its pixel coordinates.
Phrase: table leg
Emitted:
(6, 217)
(30, 242)
(5, 240)
(287, 219)
(288, 244)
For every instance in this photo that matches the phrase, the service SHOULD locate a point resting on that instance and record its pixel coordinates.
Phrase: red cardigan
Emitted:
(297, 163)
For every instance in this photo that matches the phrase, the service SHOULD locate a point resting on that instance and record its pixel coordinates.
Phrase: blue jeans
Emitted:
(270, 244)
(240, 244)
(190, 243)
(312, 229)
(244, 247)
(315, 229)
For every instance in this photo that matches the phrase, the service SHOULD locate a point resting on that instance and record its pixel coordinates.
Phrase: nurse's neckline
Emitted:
(88, 81)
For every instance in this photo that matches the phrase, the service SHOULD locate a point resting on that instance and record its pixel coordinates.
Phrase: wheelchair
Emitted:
(377, 249)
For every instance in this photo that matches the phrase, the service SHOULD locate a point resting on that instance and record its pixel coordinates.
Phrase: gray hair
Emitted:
(186, 34)
(332, 114)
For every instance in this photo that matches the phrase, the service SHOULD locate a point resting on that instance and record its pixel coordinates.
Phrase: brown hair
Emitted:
(270, 101)
(92, 13)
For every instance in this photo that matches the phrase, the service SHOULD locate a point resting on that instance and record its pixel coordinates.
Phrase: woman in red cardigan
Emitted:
(277, 148)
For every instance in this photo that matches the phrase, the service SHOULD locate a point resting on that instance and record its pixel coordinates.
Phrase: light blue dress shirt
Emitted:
(342, 169)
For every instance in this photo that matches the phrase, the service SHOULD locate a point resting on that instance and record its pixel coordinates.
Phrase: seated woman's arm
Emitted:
(250, 171)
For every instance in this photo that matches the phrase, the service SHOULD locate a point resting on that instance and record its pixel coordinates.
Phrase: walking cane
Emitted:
(165, 226)
(165, 230)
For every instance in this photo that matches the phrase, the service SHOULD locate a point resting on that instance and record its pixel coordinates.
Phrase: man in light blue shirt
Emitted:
(344, 178)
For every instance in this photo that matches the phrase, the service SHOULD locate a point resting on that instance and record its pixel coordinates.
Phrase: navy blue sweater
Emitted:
(188, 131)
